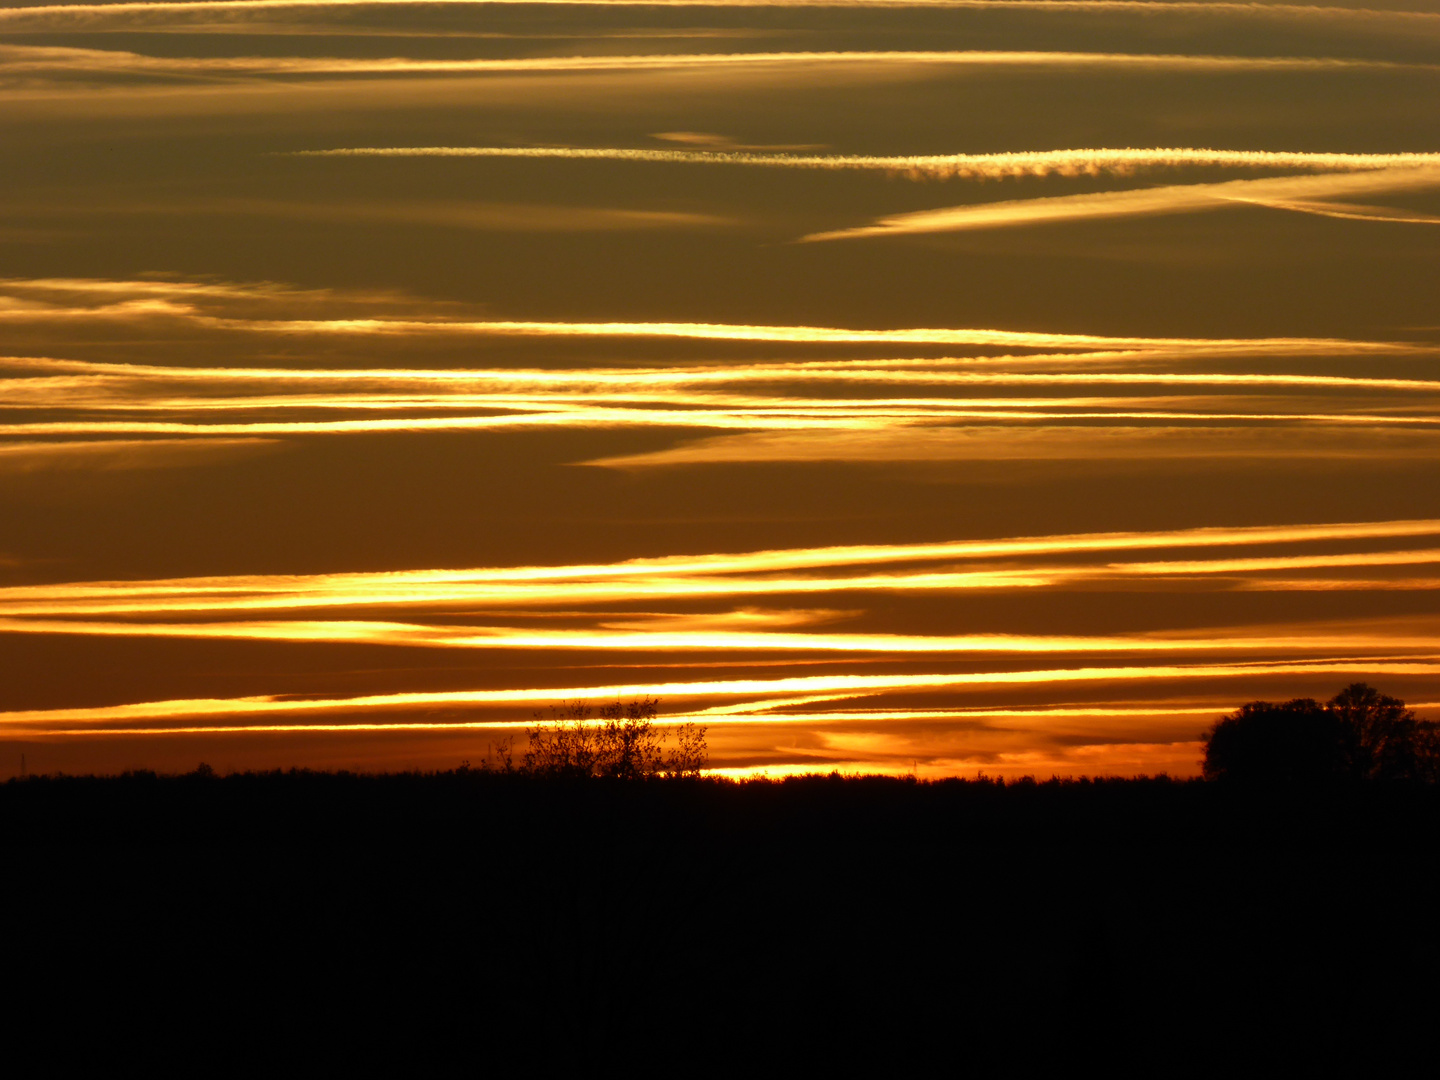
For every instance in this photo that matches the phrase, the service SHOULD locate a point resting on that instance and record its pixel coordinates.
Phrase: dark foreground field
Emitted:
(580, 923)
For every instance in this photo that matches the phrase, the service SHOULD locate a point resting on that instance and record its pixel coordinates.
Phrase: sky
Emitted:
(918, 386)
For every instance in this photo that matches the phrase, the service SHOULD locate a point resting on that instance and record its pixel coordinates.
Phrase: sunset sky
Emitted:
(900, 385)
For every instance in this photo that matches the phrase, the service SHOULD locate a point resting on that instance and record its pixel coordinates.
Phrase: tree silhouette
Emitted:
(1383, 740)
(1359, 734)
(619, 740)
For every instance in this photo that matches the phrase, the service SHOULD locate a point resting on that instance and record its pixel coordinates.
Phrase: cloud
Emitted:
(709, 141)
(258, 15)
(162, 295)
(270, 308)
(1068, 163)
(1075, 398)
(1349, 211)
(723, 638)
(814, 428)
(915, 707)
(126, 454)
(29, 61)
(247, 714)
(1174, 199)
(55, 383)
(452, 214)
(1205, 438)
(1004, 563)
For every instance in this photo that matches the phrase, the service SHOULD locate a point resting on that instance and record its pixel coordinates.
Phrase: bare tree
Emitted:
(566, 745)
(499, 756)
(691, 754)
(619, 740)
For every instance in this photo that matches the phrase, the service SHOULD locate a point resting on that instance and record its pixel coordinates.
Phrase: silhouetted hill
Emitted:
(709, 918)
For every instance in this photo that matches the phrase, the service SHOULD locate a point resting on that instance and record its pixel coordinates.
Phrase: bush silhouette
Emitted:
(618, 740)
(1359, 734)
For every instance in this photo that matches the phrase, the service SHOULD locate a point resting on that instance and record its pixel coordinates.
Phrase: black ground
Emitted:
(860, 920)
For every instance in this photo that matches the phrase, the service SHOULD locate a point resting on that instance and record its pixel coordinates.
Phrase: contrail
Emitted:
(1226, 7)
(1174, 199)
(64, 60)
(1079, 162)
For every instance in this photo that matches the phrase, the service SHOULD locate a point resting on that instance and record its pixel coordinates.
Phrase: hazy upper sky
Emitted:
(953, 385)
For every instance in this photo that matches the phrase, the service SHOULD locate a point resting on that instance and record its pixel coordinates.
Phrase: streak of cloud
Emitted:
(96, 384)
(1136, 202)
(717, 576)
(973, 722)
(940, 409)
(29, 61)
(160, 13)
(1079, 162)
(607, 638)
(242, 307)
(125, 454)
(70, 721)
(449, 214)
(1208, 439)
(1173, 199)
(1348, 211)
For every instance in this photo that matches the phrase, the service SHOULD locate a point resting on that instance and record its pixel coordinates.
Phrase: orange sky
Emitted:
(943, 386)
